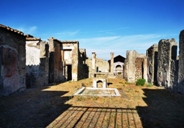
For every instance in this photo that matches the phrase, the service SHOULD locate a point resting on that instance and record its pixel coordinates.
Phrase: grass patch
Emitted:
(140, 82)
(149, 84)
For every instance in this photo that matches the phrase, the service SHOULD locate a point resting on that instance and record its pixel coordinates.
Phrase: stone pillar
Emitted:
(104, 83)
(93, 62)
(167, 52)
(145, 69)
(112, 62)
(130, 65)
(181, 63)
(75, 61)
(94, 83)
(44, 64)
(152, 54)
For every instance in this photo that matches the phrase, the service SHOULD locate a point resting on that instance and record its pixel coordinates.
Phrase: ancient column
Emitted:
(112, 62)
(167, 52)
(93, 62)
(145, 69)
(181, 63)
(130, 65)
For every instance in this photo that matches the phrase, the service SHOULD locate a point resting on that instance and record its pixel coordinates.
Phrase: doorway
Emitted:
(69, 72)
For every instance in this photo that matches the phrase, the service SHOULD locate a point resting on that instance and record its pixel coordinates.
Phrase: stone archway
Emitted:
(119, 69)
(99, 82)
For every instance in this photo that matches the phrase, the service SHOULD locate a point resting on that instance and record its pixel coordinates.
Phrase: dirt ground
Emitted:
(56, 106)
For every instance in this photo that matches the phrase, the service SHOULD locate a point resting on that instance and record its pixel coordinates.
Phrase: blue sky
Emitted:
(100, 26)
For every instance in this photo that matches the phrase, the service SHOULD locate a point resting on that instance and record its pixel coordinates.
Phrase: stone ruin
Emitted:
(37, 62)
(27, 61)
(12, 60)
(167, 64)
(159, 66)
(152, 55)
(180, 86)
(135, 66)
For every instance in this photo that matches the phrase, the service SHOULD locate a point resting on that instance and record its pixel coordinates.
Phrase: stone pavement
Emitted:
(97, 117)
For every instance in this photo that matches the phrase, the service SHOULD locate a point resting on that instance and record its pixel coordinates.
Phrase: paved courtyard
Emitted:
(56, 106)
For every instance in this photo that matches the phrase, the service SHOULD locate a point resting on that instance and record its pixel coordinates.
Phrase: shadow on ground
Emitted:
(32, 108)
(165, 109)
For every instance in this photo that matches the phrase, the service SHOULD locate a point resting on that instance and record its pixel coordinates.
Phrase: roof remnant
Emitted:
(12, 30)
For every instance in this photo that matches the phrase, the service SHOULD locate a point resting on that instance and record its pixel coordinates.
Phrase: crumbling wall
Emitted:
(36, 63)
(139, 68)
(101, 65)
(167, 52)
(152, 56)
(12, 60)
(83, 67)
(55, 61)
(180, 87)
(135, 66)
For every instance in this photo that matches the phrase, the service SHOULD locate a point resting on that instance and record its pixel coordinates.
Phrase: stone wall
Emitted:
(135, 66)
(139, 68)
(83, 67)
(167, 70)
(152, 56)
(12, 60)
(71, 57)
(37, 64)
(101, 65)
(180, 87)
(55, 61)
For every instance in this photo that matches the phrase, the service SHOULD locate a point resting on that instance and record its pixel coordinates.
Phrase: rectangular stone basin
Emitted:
(89, 91)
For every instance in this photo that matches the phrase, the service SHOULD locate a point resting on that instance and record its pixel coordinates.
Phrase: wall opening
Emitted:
(69, 72)
(119, 70)
(99, 84)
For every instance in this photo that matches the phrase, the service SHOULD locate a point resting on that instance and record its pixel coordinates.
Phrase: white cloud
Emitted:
(32, 29)
(119, 44)
(28, 30)
(65, 34)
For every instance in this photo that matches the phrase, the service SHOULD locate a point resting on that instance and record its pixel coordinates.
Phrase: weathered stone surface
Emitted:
(93, 61)
(167, 53)
(36, 62)
(152, 56)
(55, 63)
(75, 61)
(130, 68)
(139, 68)
(83, 67)
(112, 62)
(12, 61)
(180, 86)
(71, 59)
(100, 64)
(135, 66)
